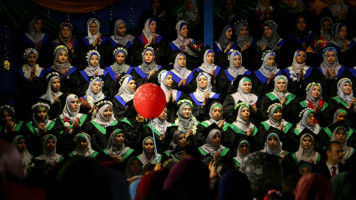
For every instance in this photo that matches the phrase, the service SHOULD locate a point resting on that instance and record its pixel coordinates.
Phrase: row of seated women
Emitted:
(133, 142)
(296, 87)
(233, 37)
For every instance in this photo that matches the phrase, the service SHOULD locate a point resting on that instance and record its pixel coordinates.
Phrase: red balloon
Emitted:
(149, 100)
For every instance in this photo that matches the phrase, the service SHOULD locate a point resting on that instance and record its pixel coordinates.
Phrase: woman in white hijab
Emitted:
(148, 155)
(212, 147)
(243, 149)
(27, 159)
(263, 77)
(201, 96)
(306, 153)
(50, 158)
(71, 121)
(279, 94)
(208, 66)
(34, 37)
(241, 127)
(273, 145)
(83, 146)
(120, 37)
(102, 125)
(116, 148)
(340, 135)
(182, 76)
(94, 92)
(125, 94)
(182, 40)
(243, 94)
(93, 38)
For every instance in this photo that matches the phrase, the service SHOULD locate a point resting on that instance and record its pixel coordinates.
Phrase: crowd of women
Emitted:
(251, 91)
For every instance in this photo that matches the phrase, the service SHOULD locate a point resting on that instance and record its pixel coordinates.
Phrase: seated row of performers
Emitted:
(107, 138)
(119, 81)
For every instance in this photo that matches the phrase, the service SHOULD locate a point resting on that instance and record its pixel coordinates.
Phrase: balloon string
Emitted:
(154, 138)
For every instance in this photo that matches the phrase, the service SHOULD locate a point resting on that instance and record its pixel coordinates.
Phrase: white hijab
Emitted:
(101, 119)
(124, 91)
(206, 67)
(200, 92)
(90, 36)
(49, 156)
(240, 95)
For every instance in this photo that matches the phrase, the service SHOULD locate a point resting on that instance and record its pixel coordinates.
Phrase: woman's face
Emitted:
(347, 89)
(120, 58)
(181, 61)
(21, 145)
(96, 88)
(271, 61)
(301, 57)
(6, 117)
(272, 142)
(305, 171)
(187, 111)
(210, 58)
(182, 142)
(50, 145)
(108, 113)
(244, 31)
(94, 60)
(228, 33)
(326, 26)
(307, 142)
(122, 29)
(216, 113)
(163, 115)
(277, 115)
(281, 85)
(31, 59)
(135, 167)
(148, 56)
(216, 140)
(330, 57)
(316, 92)
(189, 5)
(267, 31)
(56, 85)
(41, 115)
(62, 56)
(94, 28)
(301, 24)
(82, 143)
(245, 113)
(38, 25)
(311, 119)
(65, 32)
(341, 116)
(74, 105)
(244, 149)
(184, 31)
(153, 26)
(169, 81)
(340, 135)
(237, 61)
(343, 32)
(246, 87)
(148, 146)
(132, 85)
(119, 139)
(202, 81)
